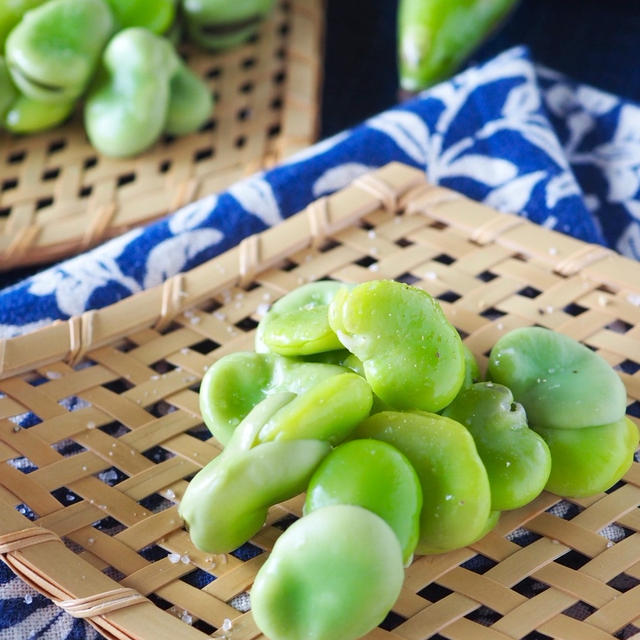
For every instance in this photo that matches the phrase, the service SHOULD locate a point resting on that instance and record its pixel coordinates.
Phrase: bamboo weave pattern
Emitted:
(112, 400)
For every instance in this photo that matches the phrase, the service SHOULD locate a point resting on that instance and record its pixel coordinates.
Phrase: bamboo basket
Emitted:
(59, 196)
(118, 431)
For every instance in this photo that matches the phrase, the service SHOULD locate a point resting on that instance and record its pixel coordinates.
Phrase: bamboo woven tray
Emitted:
(118, 429)
(58, 196)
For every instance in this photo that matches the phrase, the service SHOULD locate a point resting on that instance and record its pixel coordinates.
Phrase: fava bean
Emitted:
(455, 486)
(412, 357)
(332, 575)
(374, 475)
(516, 458)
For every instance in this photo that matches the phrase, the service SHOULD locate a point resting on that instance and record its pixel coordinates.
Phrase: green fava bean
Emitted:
(26, 115)
(332, 575)
(590, 460)
(218, 24)
(11, 12)
(8, 92)
(374, 475)
(298, 324)
(126, 110)
(455, 486)
(52, 53)
(561, 383)
(226, 503)
(329, 410)
(239, 381)
(155, 15)
(516, 458)
(190, 102)
(471, 368)
(412, 357)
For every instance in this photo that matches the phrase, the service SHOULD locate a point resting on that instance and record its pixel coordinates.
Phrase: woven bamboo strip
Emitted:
(134, 368)
(59, 196)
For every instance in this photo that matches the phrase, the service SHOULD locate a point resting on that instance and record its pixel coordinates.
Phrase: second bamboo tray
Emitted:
(100, 428)
(59, 196)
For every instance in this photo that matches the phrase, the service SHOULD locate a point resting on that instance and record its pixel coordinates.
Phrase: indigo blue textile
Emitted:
(516, 136)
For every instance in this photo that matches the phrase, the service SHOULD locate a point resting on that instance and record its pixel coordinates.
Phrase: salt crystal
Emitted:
(174, 558)
(156, 377)
(185, 559)
(374, 267)
(28, 599)
(500, 326)
(448, 497)
(634, 299)
(90, 540)
(91, 424)
(170, 494)
(53, 375)
(371, 233)
(195, 320)
(185, 617)
(84, 467)
(431, 275)
(219, 315)
(609, 544)
(109, 476)
(552, 251)
(16, 428)
(507, 463)
(266, 296)
(184, 351)
(262, 309)
(227, 624)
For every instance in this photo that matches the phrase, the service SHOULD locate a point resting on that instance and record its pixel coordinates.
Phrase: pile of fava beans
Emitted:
(366, 398)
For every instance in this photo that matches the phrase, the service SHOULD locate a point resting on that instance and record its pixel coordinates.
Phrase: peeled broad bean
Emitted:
(239, 381)
(590, 460)
(575, 401)
(218, 24)
(226, 503)
(374, 475)
(190, 102)
(156, 16)
(8, 92)
(412, 357)
(455, 486)
(332, 575)
(126, 110)
(298, 324)
(561, 383)
(53, 52)
(26, 115)
(327, 411)
(516, 458)
(11, 12)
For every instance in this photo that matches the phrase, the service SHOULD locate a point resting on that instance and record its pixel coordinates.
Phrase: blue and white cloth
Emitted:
(516, 136)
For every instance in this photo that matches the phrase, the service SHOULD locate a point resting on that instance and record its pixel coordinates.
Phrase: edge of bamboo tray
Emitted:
(396, 182)
(122, 610)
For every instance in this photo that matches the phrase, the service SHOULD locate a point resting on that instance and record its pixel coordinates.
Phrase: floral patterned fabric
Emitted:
(513, 135)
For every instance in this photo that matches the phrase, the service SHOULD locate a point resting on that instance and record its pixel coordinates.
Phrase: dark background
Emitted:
(594, 41)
